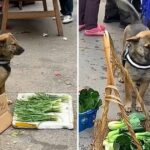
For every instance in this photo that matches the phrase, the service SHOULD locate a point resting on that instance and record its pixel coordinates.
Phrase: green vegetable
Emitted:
(134, 121)
(114, 125)
(146, 145)
(136, 129)
(112, 135)
(64, 98)
(89, 99)
(120, 137)
(144, 138)
(36, 117)
(122, 142)
(37, 107)
(109, 146)
(142, 135)
(138, 115)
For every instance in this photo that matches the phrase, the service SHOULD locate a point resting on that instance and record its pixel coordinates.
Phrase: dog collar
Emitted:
(4, 62)
(126, 57)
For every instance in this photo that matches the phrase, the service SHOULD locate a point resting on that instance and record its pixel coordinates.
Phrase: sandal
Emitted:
(81, 27)
(98, 31)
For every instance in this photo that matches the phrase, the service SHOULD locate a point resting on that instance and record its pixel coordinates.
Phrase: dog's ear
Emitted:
(2, 42)
(3, 39)
(133, 39)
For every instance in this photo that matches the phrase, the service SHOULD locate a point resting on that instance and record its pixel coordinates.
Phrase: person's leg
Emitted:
(91, 19)
(62, 6)
(111, 12)
(91, 14)
(66, 10)
(82, 5)
(66, 7)
(69, 7)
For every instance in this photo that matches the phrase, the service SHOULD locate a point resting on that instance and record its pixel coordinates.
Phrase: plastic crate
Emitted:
(146, 11)
(86, 119)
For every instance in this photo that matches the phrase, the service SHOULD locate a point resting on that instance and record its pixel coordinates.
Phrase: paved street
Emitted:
(93, 70)
(36, 71)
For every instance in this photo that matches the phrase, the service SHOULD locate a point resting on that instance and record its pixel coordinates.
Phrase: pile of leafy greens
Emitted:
(118, 137)
(39, 107)
(89, 99)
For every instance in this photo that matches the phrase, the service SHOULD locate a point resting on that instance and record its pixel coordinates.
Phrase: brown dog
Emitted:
(8, 48)
(137, 49)
(136, 54)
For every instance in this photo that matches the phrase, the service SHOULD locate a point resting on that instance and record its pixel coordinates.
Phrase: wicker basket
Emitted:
(112, 95)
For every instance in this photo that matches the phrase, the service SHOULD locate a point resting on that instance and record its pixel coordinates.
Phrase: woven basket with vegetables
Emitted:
(119, 138)
(127, 133)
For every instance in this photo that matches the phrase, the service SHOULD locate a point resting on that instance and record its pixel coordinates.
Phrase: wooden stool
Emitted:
(6, 15)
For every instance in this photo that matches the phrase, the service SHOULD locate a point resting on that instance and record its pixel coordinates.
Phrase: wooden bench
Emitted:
(6, 15)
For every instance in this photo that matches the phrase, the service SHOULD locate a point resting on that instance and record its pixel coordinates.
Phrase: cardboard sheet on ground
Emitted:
(65, 117)
(5, 116)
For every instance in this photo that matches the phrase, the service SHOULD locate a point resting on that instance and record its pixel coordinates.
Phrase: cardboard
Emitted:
(5, 115)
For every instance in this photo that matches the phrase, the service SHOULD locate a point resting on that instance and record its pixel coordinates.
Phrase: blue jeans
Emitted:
(66, 7)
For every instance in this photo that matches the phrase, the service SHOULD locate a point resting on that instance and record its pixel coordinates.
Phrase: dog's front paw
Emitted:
(128, 107)
(138, 107)
(9, 102)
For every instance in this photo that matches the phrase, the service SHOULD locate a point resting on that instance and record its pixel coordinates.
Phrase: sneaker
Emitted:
(81, 27)
(67, 19)
(98, 31)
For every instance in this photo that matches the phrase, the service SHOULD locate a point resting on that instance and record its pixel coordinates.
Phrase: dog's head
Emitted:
(140, 47)
(9, 46)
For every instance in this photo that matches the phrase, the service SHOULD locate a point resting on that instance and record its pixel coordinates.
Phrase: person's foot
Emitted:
(67, 19)
(81, 27)
(98, 31)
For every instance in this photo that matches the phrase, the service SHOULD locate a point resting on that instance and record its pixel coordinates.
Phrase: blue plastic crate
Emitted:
(86, 119)
(146, 11)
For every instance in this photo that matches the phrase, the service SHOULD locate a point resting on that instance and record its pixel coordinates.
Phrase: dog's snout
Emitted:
(19, 50)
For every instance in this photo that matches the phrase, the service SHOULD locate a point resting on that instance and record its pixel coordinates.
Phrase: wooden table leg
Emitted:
(58, 19)
(45, 5)
(4, 15)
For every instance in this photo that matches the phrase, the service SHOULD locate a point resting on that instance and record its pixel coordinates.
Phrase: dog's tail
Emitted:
(127, 7)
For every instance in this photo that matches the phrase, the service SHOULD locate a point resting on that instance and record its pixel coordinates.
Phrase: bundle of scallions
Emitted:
(39, 107)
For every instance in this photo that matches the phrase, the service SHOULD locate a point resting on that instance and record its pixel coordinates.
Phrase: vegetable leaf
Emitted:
(89, 99)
